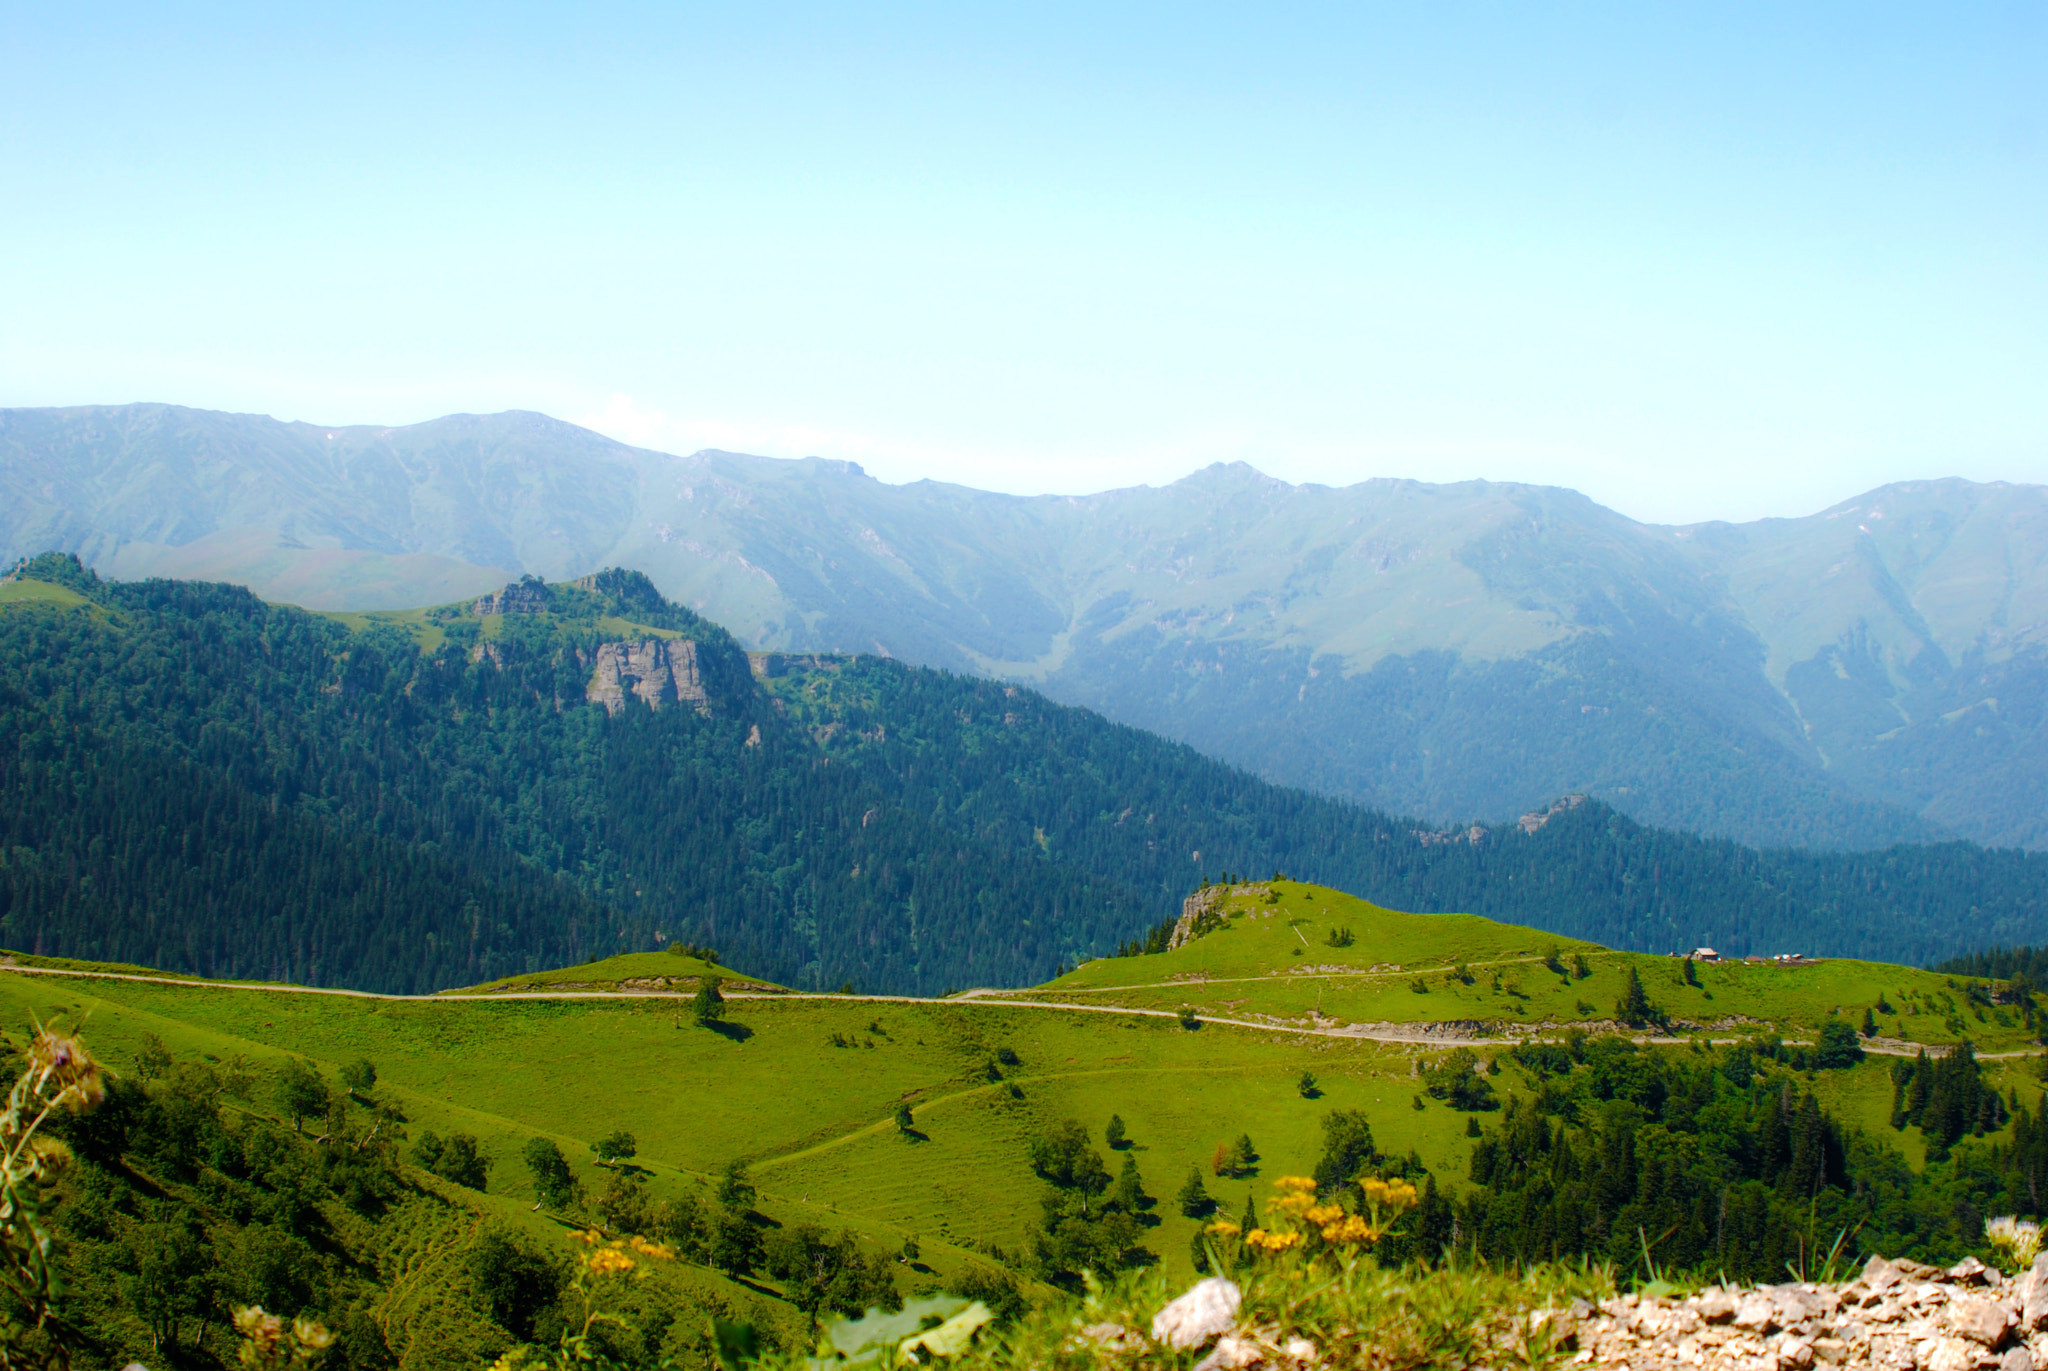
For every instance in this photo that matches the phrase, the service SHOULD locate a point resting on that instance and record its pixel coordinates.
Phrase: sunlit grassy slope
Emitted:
(1273, 959)
(628, 970)
(29, 592)
(423, 626)
(805, 1088)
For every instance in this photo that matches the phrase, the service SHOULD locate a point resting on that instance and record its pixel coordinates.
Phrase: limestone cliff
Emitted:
(521, 597)
(1199, 912)
(661, 671)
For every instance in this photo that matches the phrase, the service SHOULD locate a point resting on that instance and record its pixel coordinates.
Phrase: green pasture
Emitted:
(427, 626)
(1273, 958)
(39, 592)
(416, 622)
(814, 1120)
(805, 1091)
(629, 969)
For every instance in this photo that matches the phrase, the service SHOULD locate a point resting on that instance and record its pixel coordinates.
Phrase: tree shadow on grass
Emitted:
(737, 1032)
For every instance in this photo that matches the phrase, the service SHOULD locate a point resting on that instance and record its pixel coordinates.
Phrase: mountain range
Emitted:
(1873, 673)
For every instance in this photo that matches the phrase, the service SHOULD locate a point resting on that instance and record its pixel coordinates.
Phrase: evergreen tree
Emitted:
(1634, 1007)
(1114, 1134)
(1347, 1150)
(709, 1004)
(1193, 1196)
(1129, 1191)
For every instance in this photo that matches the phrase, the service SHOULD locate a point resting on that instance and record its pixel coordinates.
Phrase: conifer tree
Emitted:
(1634, 1007)
(1129, 1191)
(1193, 1198)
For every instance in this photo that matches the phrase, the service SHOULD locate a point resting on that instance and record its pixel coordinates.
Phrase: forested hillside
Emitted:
(1871, 673)
(1010, 767)
(198, 780)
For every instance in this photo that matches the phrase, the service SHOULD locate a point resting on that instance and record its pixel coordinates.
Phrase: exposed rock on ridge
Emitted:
(520, 597)
(660, 671)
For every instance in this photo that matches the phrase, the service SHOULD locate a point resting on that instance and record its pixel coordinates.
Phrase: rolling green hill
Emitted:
(804, 1090)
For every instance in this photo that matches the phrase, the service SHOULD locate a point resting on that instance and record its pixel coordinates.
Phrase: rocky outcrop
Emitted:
(521, 597)
(1897, 1314)
(1534, 820)
(661, 671)
(1198, 914)
(770, 666)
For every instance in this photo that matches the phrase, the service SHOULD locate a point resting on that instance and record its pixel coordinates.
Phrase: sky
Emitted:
(1698, 261)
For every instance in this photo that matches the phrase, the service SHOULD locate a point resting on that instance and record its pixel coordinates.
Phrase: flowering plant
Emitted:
(271, 1344)
(60, 1075)
(595, 1265)
(2017, 1240)
(1317, 1225)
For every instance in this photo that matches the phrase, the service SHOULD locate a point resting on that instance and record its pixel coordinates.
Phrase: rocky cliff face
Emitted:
(1199, 912)
(521, 597)
(661, 671)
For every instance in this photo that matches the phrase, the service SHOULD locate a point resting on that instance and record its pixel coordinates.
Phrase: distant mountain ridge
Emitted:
(1876, 672)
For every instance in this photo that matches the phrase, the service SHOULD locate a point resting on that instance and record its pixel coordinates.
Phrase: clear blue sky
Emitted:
(1698, 261)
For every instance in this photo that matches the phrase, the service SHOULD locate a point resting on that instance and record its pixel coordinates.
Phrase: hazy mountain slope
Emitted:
(193, 778)
(1870, 674)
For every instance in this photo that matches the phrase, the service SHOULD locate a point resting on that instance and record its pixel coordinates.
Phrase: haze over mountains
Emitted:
(1872, 673)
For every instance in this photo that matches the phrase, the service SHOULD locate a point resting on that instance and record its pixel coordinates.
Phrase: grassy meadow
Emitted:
(805, 1088)
(1272, 959)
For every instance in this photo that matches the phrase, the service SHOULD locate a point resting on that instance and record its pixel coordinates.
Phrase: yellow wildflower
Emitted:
(588, 1235)
(1224, 1228)
(1272, 1242)
(1395, 1194)
(1324, 1214)
(652, 1249)
(1353, 1228)
(607, 1260)
(1307, 1183)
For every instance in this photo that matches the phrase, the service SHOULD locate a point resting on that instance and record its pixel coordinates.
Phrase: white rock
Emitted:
(1204, 1312)
(1302, 1350)
(1232, 1354)
(1950, 1354)
(2034, 1296)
